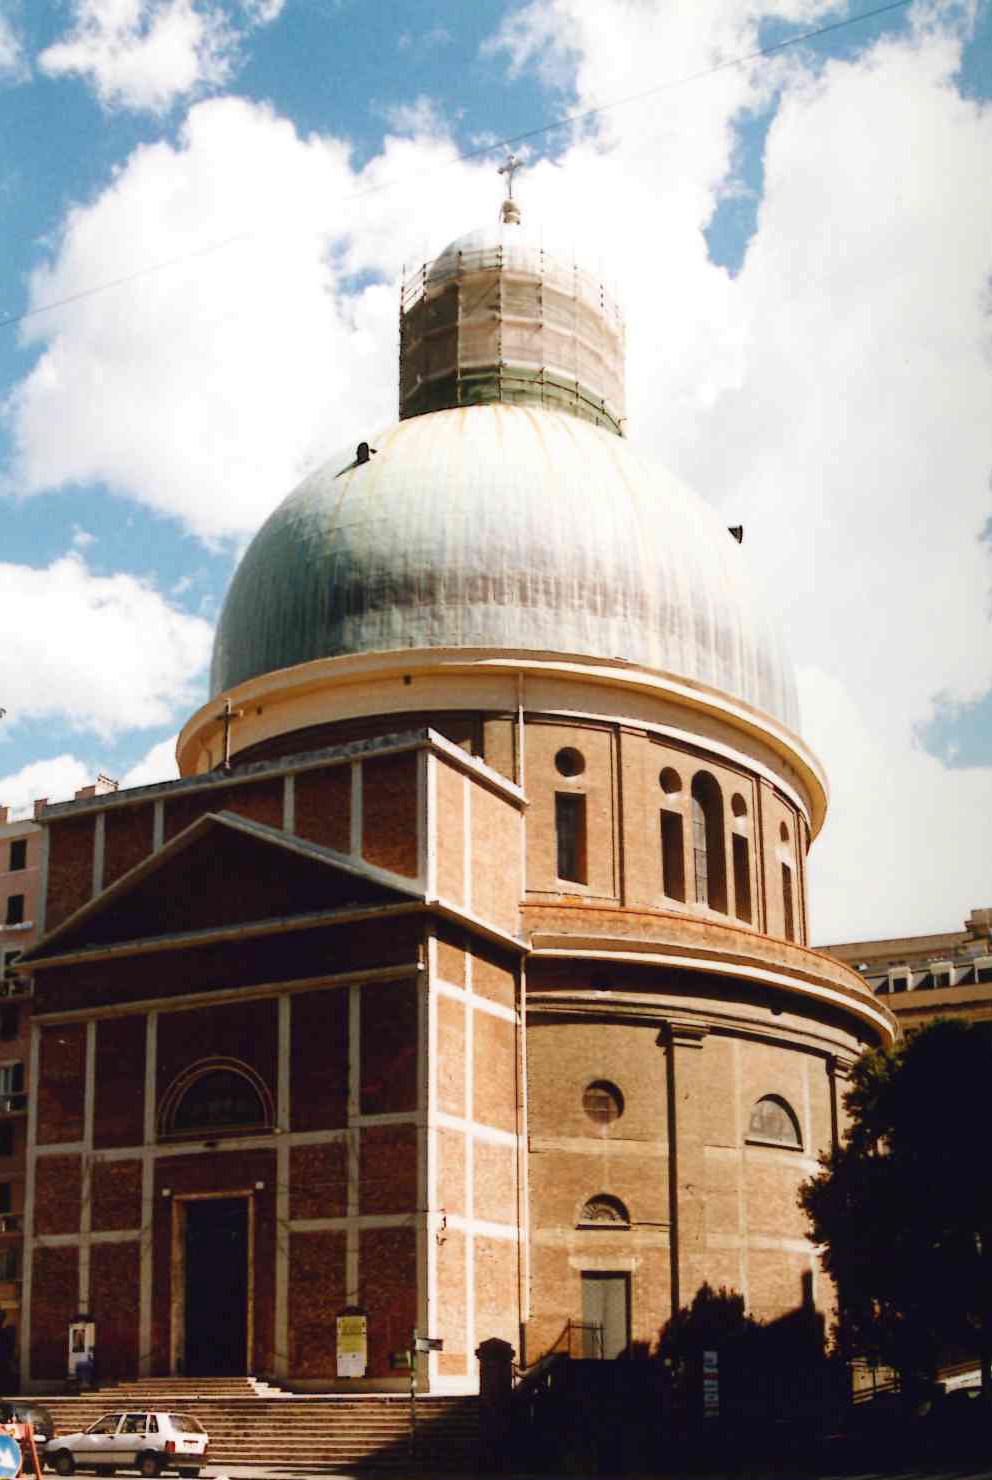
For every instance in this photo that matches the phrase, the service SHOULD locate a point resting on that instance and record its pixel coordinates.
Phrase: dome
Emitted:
(504, 527)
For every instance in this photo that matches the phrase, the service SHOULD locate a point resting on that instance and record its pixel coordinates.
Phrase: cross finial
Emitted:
(510, 164)
(510, 211)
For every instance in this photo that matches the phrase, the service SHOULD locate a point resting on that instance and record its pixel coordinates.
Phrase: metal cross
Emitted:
(507, 168)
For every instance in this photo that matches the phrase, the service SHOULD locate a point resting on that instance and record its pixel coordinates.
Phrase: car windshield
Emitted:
(183, 1424)
(105, 1425)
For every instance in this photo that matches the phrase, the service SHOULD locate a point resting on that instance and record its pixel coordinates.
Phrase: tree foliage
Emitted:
(903, 1206)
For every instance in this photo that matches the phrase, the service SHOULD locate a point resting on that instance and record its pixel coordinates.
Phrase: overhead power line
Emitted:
(567, 120)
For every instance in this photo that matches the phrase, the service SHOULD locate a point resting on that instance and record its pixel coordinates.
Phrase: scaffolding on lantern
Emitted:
(511, 322)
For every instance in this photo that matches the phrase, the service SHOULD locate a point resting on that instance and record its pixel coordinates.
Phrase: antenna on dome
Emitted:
(510, 211)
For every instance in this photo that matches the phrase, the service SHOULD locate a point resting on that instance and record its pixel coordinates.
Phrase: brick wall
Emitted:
(116, 1195)
(319, 1062)
(388, 1047)
(119, 1110)
(60, 1083)
(389, 813)
(58, 1193)
(114, 1272)
(316, 1295)
(54, 1303)
(387, 1273)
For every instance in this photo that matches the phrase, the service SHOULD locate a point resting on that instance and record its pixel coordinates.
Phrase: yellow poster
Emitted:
(352, 1345)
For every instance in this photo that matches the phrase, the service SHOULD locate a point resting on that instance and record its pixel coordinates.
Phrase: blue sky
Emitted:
(802, 244)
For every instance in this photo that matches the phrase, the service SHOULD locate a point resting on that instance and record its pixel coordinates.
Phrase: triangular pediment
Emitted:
(221, 872)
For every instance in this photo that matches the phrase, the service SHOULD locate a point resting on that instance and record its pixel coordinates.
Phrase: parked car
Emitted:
(145, 1441)
(21, 1410)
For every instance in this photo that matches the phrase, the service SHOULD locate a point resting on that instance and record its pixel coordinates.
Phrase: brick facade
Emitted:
(391, 1139)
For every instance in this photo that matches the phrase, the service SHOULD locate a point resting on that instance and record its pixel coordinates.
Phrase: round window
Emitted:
(671, 781)
(570, 762)
(738, 805)
(602, 1102)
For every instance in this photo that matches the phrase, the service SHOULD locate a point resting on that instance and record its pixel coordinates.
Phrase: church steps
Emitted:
(318, 1430)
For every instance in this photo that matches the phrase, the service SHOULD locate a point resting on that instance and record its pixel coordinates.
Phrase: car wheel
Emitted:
(149, 1465)
(62, 1462)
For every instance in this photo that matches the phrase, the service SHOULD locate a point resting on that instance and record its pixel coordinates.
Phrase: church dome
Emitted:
(507, 527)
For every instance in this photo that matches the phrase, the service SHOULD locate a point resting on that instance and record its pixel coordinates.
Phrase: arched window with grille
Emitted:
(216, 1097)
(708, 847)
(773, 1121)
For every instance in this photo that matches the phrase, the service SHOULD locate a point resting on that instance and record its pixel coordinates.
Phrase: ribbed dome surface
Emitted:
(510, 528)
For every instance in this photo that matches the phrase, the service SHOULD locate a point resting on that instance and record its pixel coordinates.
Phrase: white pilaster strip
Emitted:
(99, 840)
(422, 1220)
(470, 1338)
(145, 1353)
(742, 1260)
(354, 1107)
(158, 825)
(29, 1184)
(289, 802)
(433, 1220)
(356, 809)
(283, 1123)
(86, 1178)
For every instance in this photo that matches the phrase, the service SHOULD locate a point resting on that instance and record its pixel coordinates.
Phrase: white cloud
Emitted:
(13, 67)
(835, 394)
(158, 765)
(106, 652)
(54, 780)
(233, 372)
(144, 54)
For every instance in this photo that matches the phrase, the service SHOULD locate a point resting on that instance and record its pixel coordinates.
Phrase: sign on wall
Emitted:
(353, 1345)
(82, 1351)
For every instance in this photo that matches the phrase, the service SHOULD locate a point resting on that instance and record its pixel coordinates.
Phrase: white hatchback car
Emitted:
(133, 1440)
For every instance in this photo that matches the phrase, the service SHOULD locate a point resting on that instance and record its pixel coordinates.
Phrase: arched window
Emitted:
(604, 1211)
(708, 851)
(216, 1097)
(773, 1120)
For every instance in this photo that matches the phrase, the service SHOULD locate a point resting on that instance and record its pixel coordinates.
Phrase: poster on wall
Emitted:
(353, 1345)
(82, 1352)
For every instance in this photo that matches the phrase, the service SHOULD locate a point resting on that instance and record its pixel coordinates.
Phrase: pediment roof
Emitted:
(222, 871)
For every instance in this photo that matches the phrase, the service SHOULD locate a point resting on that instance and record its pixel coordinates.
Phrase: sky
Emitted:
(205, 210)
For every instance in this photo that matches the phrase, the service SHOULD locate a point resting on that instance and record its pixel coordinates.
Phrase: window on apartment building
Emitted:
(18, 854)
(742, 879)
(708, 851)
(10, 1022)
(570, 834)
(15, 909)
(6, 1138)
(9, 1263)
(6, 1192)
(672, 856)
(11, 1079)
(7, 973)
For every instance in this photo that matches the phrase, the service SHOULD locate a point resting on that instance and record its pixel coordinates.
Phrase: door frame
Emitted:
(177, 1309)
(611, 1273)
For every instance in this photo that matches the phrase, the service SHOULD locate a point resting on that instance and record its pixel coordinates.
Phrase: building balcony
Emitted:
(13, 1104)
(11, 1223)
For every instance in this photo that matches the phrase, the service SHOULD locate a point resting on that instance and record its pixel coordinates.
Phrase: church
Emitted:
(461, 980)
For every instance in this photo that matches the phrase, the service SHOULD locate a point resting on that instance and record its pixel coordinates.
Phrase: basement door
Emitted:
(605, 1314)
(216, 1287)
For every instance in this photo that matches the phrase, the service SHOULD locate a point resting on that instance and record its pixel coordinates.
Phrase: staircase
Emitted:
(251, 1423)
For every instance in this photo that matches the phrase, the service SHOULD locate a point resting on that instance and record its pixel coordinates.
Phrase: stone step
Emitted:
(329, 1432)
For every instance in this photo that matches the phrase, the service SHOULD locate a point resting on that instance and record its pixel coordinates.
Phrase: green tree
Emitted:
(903, 1207)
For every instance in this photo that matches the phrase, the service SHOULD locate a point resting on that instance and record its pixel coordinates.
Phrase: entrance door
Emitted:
(216, 1286)
(605, 1314)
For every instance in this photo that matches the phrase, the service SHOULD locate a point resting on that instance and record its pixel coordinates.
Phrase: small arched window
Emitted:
(708, 850)
(604, 1211)
(216, 1097)
(773, 1121)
